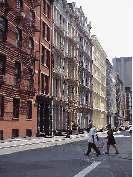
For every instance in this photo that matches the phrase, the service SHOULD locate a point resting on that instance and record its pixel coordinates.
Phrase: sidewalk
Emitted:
(7, 143)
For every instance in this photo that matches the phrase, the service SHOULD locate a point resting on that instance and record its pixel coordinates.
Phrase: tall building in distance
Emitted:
(111, 93)
(99, 84)
(123, 66)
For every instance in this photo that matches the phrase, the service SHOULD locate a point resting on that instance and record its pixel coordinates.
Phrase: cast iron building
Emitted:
(99, 84)
(84, 70)
(59, 66)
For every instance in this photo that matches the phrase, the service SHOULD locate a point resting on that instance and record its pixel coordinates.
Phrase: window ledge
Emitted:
(15, 118)
(28, 119)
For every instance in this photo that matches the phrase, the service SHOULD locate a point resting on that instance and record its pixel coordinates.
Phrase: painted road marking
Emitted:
(87, 170)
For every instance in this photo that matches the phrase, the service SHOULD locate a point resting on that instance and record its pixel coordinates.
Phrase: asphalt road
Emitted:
(68, 160)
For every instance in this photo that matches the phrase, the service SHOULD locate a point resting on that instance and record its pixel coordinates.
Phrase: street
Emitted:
(68, 160)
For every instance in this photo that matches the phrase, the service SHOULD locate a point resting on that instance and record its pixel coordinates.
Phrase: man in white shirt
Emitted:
(91, 141)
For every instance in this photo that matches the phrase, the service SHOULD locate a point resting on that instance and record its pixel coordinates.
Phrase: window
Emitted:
(43, 53)
(47, 58)
(86, 99)
(19, 5)
(3, 1)
(42, 83)
(48, 11)
(48, 33)
(28, 132)
(44, 6)
(56, 87)
(17, 73)
(15, 108)
(43, 30)
(18, 38)
(29, 110)
(2, 65)
(1, 106)
(31, 44)
(31, 18)
(15, 133)
(29, 78)
(3, 28)
(46, 85)
(1, 134)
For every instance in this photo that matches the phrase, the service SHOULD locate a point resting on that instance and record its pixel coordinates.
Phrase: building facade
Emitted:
(119, 101)
(128, 105)
(43, 73)
(59, 66)
(99, 84)
(17, 69)
(123, 66)
(84, 70)
(111, 93)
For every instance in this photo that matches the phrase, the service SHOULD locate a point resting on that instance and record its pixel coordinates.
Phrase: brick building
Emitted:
(42, 50)
(17, 84)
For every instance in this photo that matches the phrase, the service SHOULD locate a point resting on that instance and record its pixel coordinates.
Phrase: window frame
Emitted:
(29, 110)
(19, 5)
(29, 78)
(17, 74)
(1, 106)
(43, 29)
(18, 38)
(44, 7)
(48, 34)
(42, 83)
(2, 69)
(16, 102)
(46, 85)
(3, 28)
(31, 44)
(47, 58)
(48, 11)
(43, 55)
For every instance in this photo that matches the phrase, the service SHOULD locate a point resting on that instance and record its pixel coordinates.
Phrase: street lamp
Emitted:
(68, 136)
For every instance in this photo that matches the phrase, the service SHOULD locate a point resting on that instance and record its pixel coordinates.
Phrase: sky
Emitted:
(111, 22)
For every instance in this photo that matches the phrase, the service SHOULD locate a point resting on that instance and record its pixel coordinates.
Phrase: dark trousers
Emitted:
(92, 145)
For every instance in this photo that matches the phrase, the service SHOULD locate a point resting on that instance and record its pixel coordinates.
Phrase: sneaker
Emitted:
(98, 154)
(86, 154)
(117, 153)
(106, 152)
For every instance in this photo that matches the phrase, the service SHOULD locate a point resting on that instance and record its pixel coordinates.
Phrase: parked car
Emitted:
(129, 126)
(122, 127)
(115, 129)
(126, 128)
(130, 129)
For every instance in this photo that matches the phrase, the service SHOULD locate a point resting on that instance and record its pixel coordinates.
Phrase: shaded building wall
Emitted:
(111, 93)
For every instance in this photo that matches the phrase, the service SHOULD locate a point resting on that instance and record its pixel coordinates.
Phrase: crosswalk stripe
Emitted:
(87, 170)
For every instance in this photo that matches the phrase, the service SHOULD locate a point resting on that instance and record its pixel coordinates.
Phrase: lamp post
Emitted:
(68, 136)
